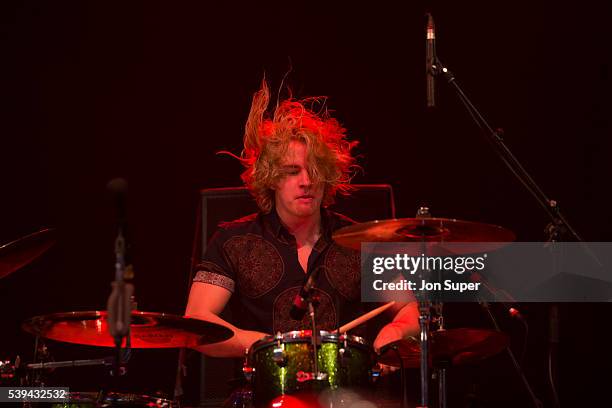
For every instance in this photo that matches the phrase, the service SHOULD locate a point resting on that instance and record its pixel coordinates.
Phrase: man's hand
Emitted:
(388, 334)
(250, 337)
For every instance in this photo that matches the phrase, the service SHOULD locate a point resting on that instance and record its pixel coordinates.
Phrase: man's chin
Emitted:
(305, 211)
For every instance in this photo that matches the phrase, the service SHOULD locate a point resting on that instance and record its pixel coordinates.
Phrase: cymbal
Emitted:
(434, 231)
(449, 347)
(147, 330)
(20, 252)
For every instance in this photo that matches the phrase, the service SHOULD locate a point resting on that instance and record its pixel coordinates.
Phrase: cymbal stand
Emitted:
(424, 321)
(424, 318)
(440, 366)
(41, 355)
(426, 304)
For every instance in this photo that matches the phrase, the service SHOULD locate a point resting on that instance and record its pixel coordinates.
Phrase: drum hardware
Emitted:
(108, 361)
(247, 369)
(8, 370)
(113, 399)
(344, 352)
(316, 375)
(302, 376)
(279, 356)
(305, 301)
(424, 341)
(41, 355)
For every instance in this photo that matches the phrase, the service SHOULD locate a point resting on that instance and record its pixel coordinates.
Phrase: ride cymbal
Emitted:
(433, 232)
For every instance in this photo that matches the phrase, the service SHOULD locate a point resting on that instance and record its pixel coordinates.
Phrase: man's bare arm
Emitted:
(206, 302)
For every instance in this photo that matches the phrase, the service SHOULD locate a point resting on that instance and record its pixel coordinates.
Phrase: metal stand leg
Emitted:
(315, 355)
(424, 325)
(442, 387)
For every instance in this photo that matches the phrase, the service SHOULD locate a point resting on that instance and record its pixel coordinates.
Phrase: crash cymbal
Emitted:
(435, 232)
(24, 250)
(448, 347)
(148, 330)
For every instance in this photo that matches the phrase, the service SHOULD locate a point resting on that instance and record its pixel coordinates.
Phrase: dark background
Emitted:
(150, 91)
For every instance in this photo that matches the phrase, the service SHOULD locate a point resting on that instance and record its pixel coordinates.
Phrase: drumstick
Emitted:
(364, 318)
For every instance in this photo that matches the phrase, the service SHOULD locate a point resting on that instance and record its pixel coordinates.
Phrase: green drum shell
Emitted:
(271, 380)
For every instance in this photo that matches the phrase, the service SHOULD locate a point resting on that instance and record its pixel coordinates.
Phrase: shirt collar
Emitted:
(273, 222)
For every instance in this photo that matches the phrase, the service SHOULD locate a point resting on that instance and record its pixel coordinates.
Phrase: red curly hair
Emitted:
(266, 141)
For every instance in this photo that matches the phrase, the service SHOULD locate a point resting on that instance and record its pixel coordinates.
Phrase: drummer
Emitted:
(296, 160)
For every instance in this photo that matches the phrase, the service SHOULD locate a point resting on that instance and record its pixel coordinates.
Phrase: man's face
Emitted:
(295, 196)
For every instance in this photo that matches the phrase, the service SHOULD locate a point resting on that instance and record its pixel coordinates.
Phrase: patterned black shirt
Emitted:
(256, 259)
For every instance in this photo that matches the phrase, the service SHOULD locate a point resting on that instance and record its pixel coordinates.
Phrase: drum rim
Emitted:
(296, 335)
(84, 396)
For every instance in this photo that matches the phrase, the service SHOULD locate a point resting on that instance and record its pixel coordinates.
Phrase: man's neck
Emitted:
(306, 230)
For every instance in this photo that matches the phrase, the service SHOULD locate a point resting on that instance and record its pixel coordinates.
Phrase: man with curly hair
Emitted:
(296, 161)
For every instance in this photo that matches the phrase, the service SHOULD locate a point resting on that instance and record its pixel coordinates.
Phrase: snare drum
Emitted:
(283, 364)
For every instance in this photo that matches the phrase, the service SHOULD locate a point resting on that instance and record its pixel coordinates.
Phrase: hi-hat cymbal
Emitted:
(435, 232)
(447, 347)
(20, 252)
(147, 330)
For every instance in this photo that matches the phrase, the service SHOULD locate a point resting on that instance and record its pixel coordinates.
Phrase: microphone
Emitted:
(499, 296)
(300, 302)
(430, 55)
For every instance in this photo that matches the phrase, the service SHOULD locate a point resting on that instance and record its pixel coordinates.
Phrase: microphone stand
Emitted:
(314, 337)
(536, 402)
(495, 138)
(119, 304)
(559, 224)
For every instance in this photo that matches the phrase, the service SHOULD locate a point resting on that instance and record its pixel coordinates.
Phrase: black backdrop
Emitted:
(151, 90)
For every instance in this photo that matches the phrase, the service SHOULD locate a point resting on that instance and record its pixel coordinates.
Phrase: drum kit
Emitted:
(282, 367)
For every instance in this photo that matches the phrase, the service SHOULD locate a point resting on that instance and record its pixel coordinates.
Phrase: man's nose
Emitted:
(305, 179)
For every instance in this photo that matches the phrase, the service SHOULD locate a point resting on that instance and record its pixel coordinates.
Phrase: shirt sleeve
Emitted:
(215, 267)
